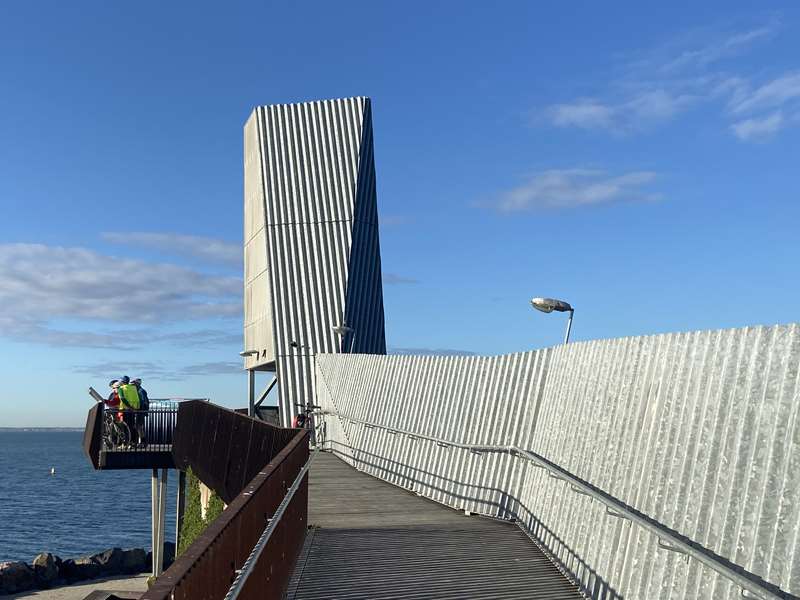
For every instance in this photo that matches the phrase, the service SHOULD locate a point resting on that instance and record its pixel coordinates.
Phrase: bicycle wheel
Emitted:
(120, 434)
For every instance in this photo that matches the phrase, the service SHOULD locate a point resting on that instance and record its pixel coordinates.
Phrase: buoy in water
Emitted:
(52, 470)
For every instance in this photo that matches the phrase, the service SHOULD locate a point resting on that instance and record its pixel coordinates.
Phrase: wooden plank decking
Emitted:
(372, 540)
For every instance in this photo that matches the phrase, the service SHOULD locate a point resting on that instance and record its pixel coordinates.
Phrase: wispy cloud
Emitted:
(206, 249)
(776, 92)
(758, 128)
(394, 220)
(42, 284)
(395, 279)
(571, 188)
(685, 73)
(148, 371)
(430, 352)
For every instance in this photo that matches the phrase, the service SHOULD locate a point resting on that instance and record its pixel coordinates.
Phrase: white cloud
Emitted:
(723, 46)
(40, 284)
(585, 113)
(680, 75)
(206, 249)
(775, 93)
(151, 371)
(758, 128)
(576, 187)
(394, 279)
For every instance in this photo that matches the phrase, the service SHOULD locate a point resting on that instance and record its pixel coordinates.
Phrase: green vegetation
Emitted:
(193, 522)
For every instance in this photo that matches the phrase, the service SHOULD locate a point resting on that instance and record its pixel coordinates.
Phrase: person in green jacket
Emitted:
(129, 403)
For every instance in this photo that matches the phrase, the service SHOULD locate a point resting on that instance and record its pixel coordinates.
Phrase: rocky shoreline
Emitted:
(47, 570)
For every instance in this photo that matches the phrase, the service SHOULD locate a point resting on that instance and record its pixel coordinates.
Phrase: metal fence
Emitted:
(139, 430)
(699, 432)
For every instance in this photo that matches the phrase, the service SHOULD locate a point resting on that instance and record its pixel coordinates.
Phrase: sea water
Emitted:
(77, 510)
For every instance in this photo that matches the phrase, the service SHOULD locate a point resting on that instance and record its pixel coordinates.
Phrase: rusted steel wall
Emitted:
(208, 567)
(224, 448)
(91, 435)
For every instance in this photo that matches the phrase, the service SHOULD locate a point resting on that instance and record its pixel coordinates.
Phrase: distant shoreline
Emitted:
(42, 429)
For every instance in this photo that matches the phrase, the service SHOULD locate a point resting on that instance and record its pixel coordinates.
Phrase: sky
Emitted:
(639, 162)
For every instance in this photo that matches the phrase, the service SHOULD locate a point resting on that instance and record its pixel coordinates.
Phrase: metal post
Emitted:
(162, 516)
(154, 518)
(251, 392)
(569, 325)
(181, 508)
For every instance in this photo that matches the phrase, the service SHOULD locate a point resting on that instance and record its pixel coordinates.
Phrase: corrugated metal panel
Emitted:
(699, 431)
(321, 252)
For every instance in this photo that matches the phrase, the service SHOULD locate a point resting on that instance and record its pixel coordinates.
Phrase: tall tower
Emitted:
(311, 249)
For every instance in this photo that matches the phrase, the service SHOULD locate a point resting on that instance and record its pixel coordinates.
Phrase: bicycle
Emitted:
(116, 433)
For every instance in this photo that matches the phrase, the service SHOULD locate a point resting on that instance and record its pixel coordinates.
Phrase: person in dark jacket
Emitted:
(141, 415)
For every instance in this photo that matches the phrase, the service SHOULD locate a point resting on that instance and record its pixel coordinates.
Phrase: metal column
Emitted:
(251, 392)
(180, 509)
(159, 515)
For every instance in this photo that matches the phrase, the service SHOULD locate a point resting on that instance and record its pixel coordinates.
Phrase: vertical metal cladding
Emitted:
(321, 246)
(700, 431)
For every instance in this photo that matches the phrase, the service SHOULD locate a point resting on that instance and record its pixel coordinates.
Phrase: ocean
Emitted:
(78, 510)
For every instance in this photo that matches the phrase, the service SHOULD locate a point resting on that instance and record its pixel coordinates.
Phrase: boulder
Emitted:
(78, 569)
(46, 568)
(169, 556)
(134, 561)
(110, 561)
(16, 577)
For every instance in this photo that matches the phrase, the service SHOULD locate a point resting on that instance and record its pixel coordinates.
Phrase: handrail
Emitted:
(676, 542)
(247, 568)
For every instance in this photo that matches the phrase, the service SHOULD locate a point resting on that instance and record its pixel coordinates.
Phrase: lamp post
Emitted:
(342, 331)
(548, 305)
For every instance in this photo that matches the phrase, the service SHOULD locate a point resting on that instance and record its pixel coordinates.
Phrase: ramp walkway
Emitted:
(372, 540)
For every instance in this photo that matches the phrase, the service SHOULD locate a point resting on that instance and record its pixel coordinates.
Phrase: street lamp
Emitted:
(342, 331)
(548, 305)
(246, 353)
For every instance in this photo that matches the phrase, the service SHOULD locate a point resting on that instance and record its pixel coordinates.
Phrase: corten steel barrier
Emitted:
(92, 435)
(210, 565)
(225, 449)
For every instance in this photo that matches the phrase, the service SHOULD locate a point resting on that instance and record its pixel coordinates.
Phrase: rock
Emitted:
(169, 556)
(169, 553)
(110, 561)
(134, 561)
(46, 568)
(79, 569)
(16, 577)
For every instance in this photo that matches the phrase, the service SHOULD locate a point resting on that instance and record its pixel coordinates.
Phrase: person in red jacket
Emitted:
(113, 397)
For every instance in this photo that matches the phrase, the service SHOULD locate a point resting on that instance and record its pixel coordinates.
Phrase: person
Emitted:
(113, 397)
(129, 404)
(141, 415)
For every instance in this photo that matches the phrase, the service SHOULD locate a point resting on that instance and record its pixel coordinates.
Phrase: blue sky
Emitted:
(640, 163)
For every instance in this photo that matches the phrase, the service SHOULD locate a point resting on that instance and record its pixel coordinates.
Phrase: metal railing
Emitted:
(668, 539)
(139, 430)
(260, 533)
(272, 523)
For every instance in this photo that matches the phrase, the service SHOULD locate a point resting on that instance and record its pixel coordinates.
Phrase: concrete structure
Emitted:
(311, 250)
(693, 432)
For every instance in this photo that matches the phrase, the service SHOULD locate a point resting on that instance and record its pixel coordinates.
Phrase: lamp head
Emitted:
(548, 305)
(246, 353)
(341, 329)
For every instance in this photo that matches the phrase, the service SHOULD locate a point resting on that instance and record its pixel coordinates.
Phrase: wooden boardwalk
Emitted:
(372, 540)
